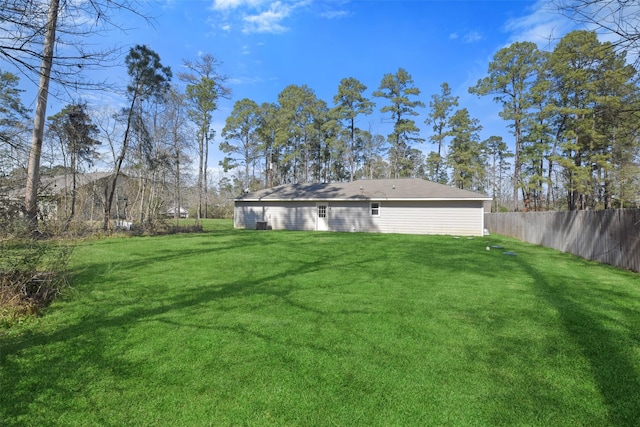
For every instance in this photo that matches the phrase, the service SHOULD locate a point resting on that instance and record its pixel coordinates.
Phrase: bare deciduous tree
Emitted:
(204, 88)
(620, 18)
(38, 35)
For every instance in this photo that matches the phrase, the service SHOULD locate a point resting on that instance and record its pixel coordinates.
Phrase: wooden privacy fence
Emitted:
(608, 236)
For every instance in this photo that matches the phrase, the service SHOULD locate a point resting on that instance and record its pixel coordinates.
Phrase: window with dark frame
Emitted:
(375, 208)
(322, 211)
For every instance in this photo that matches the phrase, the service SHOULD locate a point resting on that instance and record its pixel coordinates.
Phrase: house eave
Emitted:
(359, 199)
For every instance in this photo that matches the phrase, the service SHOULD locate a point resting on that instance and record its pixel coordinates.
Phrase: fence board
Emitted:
(608, 236)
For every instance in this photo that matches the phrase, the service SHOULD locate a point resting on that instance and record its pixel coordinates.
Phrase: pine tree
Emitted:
(350, 103)
(512, 72)
(441, 107)
(399, 91)
(76, 133)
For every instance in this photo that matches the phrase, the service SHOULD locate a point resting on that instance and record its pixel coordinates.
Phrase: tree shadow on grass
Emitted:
(608, 351)
(602, 329)
(39, 384)
(60, 362)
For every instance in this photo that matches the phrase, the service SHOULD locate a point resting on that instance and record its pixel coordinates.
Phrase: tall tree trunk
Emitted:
(204, 174)
(352, 159)
(33, 169)
(151, 204)
(246, 162)
(177, 200)
(74, 175)
(517, 167)
(142, 182)
(439, 158)
(142, 188)
(118, 165)
(494, 190)
(200, 165)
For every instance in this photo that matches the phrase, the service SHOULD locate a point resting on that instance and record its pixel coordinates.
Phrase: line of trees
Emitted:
(149, 143)
(574, 114)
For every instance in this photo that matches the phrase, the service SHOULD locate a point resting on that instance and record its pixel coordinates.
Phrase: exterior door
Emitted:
(322, 216)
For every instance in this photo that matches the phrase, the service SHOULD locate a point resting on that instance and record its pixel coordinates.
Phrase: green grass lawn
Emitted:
(259, 328)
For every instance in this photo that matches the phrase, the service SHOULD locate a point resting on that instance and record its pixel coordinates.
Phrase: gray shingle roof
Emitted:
(60, 183)
(54, 185)
(376, 189)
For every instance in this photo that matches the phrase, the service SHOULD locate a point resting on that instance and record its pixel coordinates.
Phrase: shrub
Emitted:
(32, 273)
(12, 223)
(169, 226)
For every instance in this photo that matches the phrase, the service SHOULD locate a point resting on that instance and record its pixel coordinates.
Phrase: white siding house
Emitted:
(409, 206)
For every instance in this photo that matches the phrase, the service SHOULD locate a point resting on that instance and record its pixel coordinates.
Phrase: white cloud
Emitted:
(472, 37)
(258, 16)
(544, 26)
(335, 14)
(234, 4)
(268, 21)
(249, 80)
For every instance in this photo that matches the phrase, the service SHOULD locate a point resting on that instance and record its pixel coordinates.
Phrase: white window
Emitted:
(375, 208)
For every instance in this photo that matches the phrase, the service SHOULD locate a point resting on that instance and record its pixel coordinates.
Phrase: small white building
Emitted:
(409, 206)
(171, 212)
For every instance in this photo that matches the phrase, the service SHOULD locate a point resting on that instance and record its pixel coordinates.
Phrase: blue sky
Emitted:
(267, 45)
